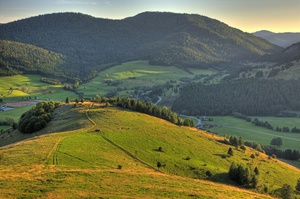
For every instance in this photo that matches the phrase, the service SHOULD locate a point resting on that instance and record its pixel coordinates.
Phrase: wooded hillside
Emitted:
(183, 40)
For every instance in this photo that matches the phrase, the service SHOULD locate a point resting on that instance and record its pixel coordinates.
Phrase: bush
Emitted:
(119, 166)
(208, 174)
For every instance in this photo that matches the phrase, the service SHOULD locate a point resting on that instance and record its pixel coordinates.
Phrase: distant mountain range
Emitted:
(183, 40)
(281, 39)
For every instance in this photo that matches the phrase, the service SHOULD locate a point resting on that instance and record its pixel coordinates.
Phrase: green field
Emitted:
(119, 161)
(234, 126)
(133, 74)
(14, 88)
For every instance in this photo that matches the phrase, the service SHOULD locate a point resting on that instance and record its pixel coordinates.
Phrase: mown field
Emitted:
(233, 126)
(120, 160)
(133, 74)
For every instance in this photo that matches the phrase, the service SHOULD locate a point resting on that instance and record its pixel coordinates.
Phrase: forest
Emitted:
(253, 97)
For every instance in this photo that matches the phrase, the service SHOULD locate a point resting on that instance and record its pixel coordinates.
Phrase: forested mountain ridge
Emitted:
(281, 39)
(162, 38)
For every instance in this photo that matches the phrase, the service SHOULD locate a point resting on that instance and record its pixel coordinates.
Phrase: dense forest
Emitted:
(249, 97)
(85, 42)
(16, 58)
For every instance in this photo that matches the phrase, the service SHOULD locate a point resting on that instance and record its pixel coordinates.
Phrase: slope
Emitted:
(16, 58)
(122, 155)
(163, 38)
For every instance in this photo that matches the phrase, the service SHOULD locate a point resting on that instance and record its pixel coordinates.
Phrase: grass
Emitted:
(238, 127)
(24, 86)
(82, 163)
(136, 73)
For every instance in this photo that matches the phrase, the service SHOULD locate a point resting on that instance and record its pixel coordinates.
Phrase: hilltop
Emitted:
(112, 152)
(281, 39)
(183, 40)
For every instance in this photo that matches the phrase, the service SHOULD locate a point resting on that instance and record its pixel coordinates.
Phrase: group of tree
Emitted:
(288, 154)
(37, 117)
(276, 141)
(265, 124)
(244, 175)
(236, 141)
(154, 110)
(251, 96)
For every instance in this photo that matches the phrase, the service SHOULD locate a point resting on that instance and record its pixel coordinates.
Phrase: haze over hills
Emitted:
(281, 39)
(183, 40)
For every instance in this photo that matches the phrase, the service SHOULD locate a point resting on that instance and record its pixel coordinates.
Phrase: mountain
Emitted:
(107, 152)
(183, 40)
(281, 39)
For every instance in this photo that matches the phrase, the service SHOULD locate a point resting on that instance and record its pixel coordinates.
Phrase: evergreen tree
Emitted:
(286, 191)
(230, 151)
(298, 185)
(67, 100)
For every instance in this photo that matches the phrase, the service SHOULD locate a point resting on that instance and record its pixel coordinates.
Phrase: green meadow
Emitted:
(233, 126)
(119, 160)
(14, 88)
(134, 74)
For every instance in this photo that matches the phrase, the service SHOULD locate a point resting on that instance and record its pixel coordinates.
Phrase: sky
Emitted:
(247, 15)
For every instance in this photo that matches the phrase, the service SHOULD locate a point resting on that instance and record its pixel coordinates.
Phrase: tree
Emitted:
(158, 165)
(240, 141)
(298, 185)
(67, 100)
(256, 171)
(276, 141)
(230, 151)
(286, 191)
(258, 148)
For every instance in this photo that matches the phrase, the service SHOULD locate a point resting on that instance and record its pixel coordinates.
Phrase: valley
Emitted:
(158, 105)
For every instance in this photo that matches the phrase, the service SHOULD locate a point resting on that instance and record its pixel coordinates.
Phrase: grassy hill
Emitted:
(178, 39)
(120, 160)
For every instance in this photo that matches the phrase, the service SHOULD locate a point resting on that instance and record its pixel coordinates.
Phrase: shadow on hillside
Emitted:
(223, 178)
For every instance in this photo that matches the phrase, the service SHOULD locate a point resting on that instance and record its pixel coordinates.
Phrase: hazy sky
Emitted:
(247, 15)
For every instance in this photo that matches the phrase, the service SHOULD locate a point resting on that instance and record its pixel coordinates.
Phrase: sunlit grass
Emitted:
(82, 163)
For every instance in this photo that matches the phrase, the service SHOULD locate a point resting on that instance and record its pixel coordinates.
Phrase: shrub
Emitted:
(160, 149)
(208, 174)
(119, 166)
(188, 158)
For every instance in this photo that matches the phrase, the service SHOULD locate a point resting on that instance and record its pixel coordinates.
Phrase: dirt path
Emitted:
(58, 144)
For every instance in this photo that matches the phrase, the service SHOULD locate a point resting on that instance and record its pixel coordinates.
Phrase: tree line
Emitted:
(154, 110)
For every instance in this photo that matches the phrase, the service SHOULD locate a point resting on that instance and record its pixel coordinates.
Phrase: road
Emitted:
(259, 132)
(199, 122)
(159, 99)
